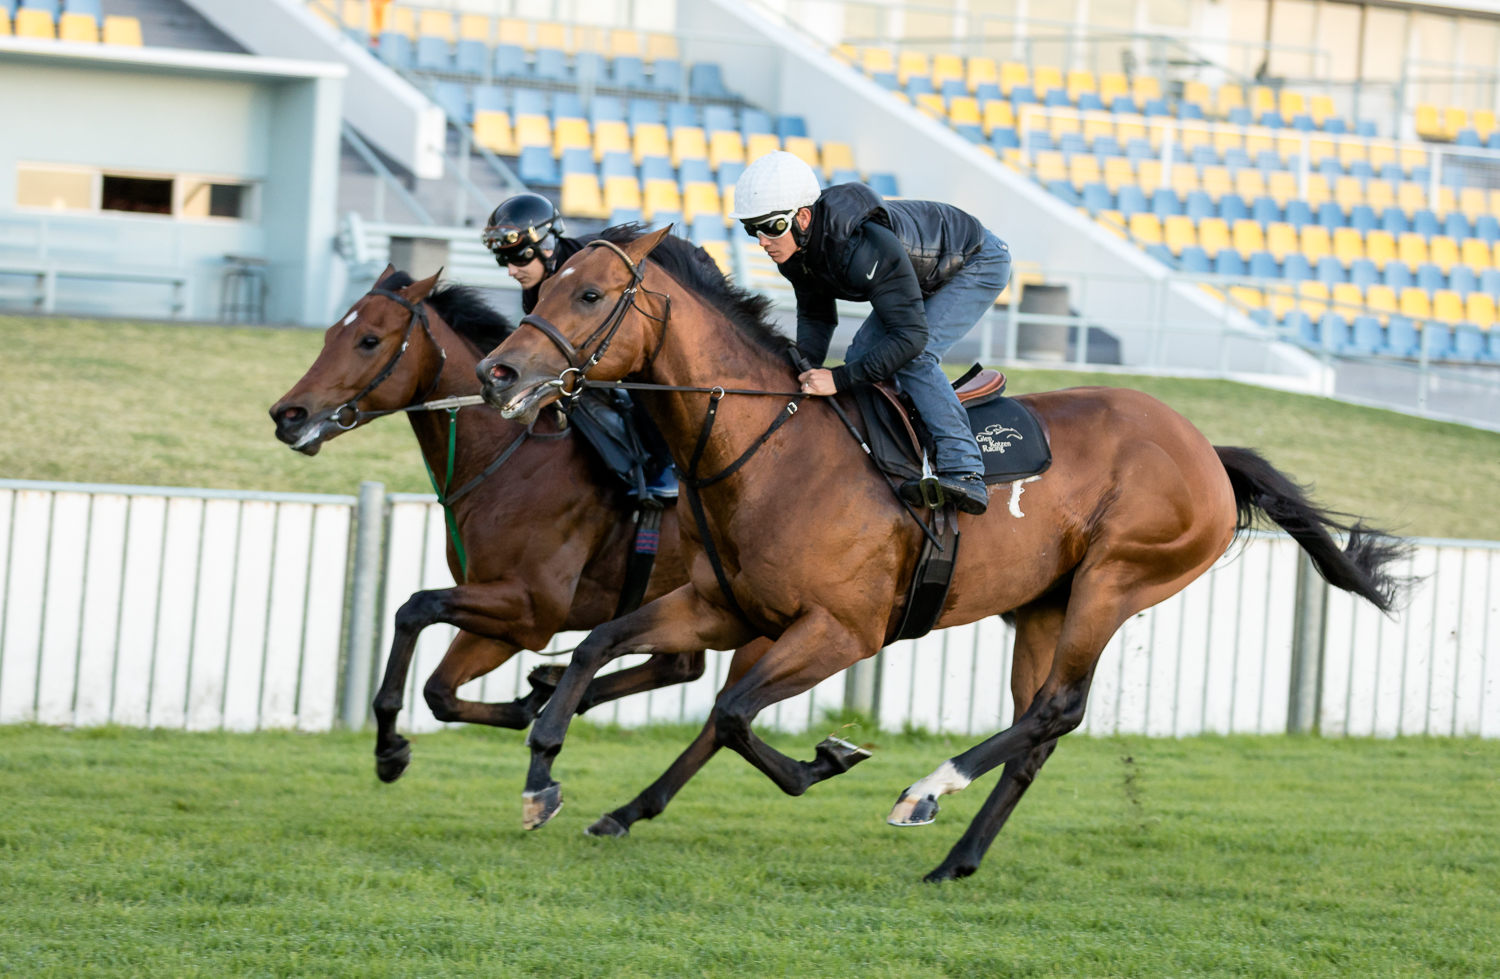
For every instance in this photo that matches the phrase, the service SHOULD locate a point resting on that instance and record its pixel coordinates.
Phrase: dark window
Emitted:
(226, 200)
(140, 194)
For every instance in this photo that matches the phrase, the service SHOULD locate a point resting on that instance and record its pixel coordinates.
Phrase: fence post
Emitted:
(359, 658)
(1306, 693)
(861, 683)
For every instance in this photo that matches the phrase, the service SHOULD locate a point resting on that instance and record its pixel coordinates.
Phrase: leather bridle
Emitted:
(418, 315)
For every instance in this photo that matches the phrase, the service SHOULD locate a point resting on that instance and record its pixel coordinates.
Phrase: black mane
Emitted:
(464, 310)
(695, 268)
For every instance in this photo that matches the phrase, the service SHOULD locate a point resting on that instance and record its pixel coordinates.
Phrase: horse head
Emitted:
(588, 322)
(365, 367)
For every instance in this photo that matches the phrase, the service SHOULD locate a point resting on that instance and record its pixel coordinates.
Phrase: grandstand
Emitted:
(1199, 188)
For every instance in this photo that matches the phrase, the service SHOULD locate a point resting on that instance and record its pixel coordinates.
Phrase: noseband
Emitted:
(418, 315)
(580, 364)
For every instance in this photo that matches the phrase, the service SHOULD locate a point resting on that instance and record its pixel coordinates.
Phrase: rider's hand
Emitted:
(817, 381)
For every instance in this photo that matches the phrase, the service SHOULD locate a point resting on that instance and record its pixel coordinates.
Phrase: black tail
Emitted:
(1360, 567)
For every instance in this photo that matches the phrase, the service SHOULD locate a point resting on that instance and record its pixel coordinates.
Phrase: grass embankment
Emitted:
(154, 404)
(136, 853)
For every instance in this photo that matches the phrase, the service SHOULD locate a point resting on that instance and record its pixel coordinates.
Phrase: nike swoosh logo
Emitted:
(871, 273)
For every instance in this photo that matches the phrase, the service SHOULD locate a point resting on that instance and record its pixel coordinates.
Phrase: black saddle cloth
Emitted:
(626, 443)
(1011, 439)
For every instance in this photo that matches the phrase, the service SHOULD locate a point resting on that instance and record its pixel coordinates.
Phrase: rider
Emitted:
(928, 270)
(517, 235)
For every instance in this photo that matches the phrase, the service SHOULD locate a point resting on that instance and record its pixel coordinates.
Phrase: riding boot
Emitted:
(967, 491)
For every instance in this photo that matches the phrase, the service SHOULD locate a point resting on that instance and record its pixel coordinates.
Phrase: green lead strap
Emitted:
(458, 545)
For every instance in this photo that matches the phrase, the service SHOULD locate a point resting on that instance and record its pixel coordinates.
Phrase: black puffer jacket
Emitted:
(891, 254)
(562, 250)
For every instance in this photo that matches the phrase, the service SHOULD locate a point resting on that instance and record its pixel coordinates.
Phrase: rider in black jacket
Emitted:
(929, 271)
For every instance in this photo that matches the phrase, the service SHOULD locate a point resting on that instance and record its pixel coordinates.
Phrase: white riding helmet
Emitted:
(774, 183)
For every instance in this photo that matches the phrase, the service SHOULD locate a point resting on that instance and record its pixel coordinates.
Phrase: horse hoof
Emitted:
(909, 811)
(607, 825)
(840, 753)
(945, 872)
(546, 678)
(539, 807)
(391, 762)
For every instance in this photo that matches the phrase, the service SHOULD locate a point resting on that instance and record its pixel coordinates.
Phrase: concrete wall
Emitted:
(786, 73)
(272, 123)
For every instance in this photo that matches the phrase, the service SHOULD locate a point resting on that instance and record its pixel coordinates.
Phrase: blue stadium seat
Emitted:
(53, 7)
(729, 172)
(1004, 138)
(788, 127)
(1438, 338)
(1268, 161)
(471, 57)
(681, 114)
(706, 81)
(1071, 143)
(1039, 142)
(1331, 216)
(1302, 122)
(1298, 214)
(666, 75)
(1235, 158)
(643, 111)
(489, 98)
(662, 219)
(717, 118)
(1401, 338)
(884, 184)
(1361, 169)
(1271, 120)
(1125, 105)
(1159, 252)
(1430, 277)
(758, 121)
(1262, 265)
(510, 61)
(1023, 95)
(1195, 260)
(1155, 107)
(1064, 190)
(1425, 223)
(1392, 172)
(1232, 208)
(1087, 101)
(1364, 273)
(1468, 342)
(919, 85)
(886, 80)
(1239, 116)
(395, 49)
(1333, 333)
(1106, 146)
(694, 170)
(1164, 201)
(536, 166)
(1329, 167)
(1056, 98)
(987, 92)
(1138, 148)
(1492, 349)
(1228, 262)
(656, 168)
(973, 133)
(1397, 275)
(590, 68)
(1096, 197)
(1487, 227)
(624, 215)
(1203, 156)
(1456, 226)
(453, 98)
(1366, 337)
(1393, 219)
(1301, 328)
(953, 88)
(606, 108)
(1335, 125)
(567, 105)
(1296, 268)
(708, 227)
(1461, 280)
(578, 159)
(617, 165)
(1264, 210)
(628, 71)
(1190, 110)
(1331, 271)
(1419, 175)
(1198, 205)
(1489, 281)
(550, 64)
(1362, 219)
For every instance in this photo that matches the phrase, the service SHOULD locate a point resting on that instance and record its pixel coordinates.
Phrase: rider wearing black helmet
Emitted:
(517, 235)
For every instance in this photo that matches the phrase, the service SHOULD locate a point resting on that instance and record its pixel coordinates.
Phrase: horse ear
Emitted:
(642, 246)
(417, 291)
(389, 271)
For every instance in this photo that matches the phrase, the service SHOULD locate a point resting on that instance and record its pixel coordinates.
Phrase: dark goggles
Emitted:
(513, 246)
(523, 255)
(772, 226)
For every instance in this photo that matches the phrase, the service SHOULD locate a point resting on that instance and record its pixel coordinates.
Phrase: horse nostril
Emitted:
(496, 375)
(288, 415)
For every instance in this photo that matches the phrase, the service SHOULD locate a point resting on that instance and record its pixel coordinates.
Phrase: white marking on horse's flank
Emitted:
(1015, 495)
(350, 318)
(941, 782)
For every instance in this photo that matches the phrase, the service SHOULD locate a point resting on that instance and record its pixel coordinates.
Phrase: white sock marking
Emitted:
(941, 782)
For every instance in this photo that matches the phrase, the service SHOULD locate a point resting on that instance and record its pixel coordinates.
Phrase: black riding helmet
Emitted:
(518, 227)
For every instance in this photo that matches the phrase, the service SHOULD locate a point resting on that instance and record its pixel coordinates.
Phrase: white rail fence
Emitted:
(207, 610)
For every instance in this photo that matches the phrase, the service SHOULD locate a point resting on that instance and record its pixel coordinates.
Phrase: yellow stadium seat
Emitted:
(121, 30)
(1147, 87)
(719, 252)
(31, 22)
(1483, 122)
(1292, 103)
(688, 143)
(1380, 247)
(1381, 299)
(930, 103)
(650, 139)
(1117, 173)
(874, 60)
(662, 46)
(1198, 93)
(1411, 248)
(1352, 151)
(1447, 306)
(1050, 165)
(1258, 139)
(837, 156)
(571, 134)
(1178, 232)
(1312, 299)
(804, 149)
(1475, 253)
(1348, 191)
(1227, 138)
(1317, 190)
(979, 71)
(1064, 121)
(997, 112)
(1447, 201)
(1216, 182)
(1320, 148)
(1145, 228)
(1411, 155)
(474, 27)
(1281, 240)
(661, 196)
(1045, 78)
(1411, 197)
(1320, 107)
(1282, 186)
(1380, 194)
(1190, 136)
(699, 198)
(400, 20)
(758, 145)
(1315, 242)
(82, 28)
(1415, 303)
(1247, 296)
(594, 39)
(1348, 300)
(1442, 251)
(725, 146)
(492, 131)
(1111, 221)
(1348, 245)
(1380, 154)
(533, 131)
(610, 136)
(509, 30)
(580, 196)
(964, 111)
(1080, 81)
(4, 23)
(913, 64)
(1213, 235)
(1013, 73)
(1148, 174)
(1083, 168)
(1454, 119)
(624, 43)
(1249, 183)
(1281, 301)
(1229, 96)
(1096, 124)
(946, 67)
(1112, 85)
(550, 34)
(1494, 197)
(1262, 99)
(1248, 237)
(1480, 309)
(622, 193)
(1184, 180)
(435, 23)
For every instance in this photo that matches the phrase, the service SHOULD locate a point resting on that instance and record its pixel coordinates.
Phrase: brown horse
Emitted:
(546, 532)
(816, 553)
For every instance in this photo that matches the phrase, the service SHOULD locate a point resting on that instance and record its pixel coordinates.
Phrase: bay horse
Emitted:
(544, 530)
(815, 552)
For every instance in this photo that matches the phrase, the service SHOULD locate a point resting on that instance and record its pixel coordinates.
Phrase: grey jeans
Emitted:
(952, 311)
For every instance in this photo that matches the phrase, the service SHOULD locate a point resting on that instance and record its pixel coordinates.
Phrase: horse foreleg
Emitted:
(653, 801)
(1019, 773)
(679, 622)
(661, 670)
(812, 649)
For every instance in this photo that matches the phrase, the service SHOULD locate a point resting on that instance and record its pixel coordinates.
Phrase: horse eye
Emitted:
(369, 342)
(591, 296)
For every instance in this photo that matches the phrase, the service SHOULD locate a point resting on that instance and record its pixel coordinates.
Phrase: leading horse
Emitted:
(815, 552)
(543, 530)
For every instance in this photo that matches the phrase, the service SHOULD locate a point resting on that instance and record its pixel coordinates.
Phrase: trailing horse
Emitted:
(815, 552)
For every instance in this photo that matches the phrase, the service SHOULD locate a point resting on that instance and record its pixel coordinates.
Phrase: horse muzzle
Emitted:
(518, 398)
(300, 430)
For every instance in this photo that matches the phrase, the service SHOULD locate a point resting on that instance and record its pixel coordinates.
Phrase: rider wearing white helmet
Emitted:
(928, 270)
